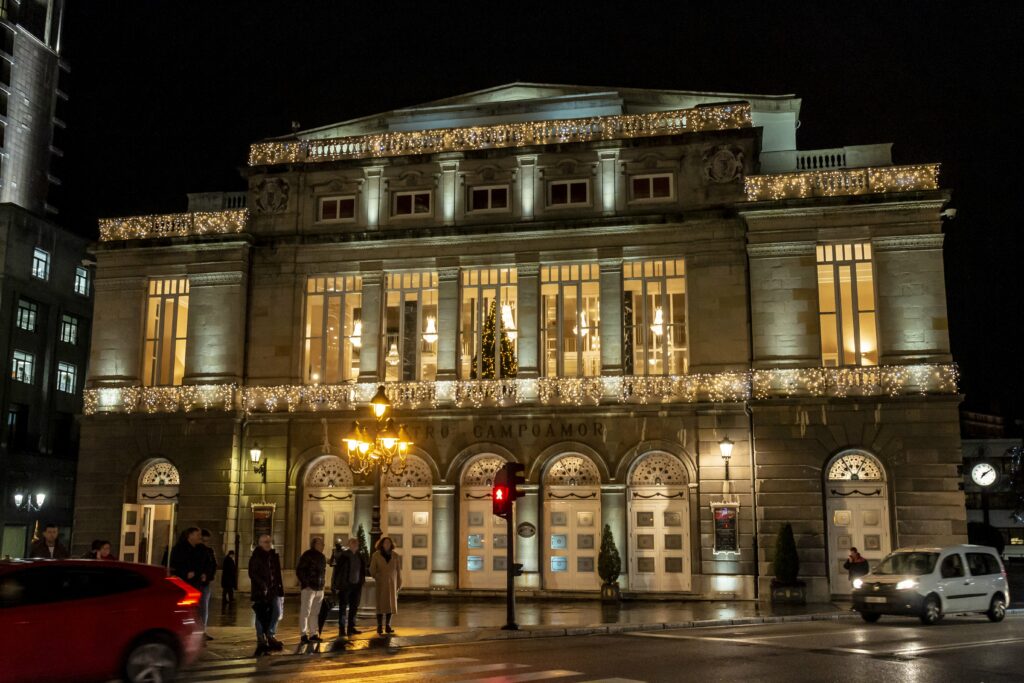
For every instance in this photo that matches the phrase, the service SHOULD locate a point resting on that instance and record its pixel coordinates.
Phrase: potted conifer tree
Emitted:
(609, 566)
(787, 588)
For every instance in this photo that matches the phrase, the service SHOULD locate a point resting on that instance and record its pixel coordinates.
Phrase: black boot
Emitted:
(387, 621)
(380, 624)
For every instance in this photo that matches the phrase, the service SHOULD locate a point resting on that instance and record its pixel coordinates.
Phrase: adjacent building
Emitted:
(686, 328)
(988, 486)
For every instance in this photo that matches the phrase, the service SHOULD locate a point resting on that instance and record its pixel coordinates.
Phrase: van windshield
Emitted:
(914, 564)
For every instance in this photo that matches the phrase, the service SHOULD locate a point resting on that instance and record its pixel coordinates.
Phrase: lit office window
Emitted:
(67, 375)
(488, 332)
(23, 367)
(654, 318)
(570, 314)
(166, 332)
(82, 280)
(411, 327)
(846, 305)
(41, 264)
(26, 316)
(69, 329)
(333, 332)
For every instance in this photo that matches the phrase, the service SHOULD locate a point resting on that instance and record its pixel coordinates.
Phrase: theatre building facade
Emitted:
(684, 327)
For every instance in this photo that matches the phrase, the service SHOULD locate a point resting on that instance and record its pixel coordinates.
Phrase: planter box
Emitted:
(610, 592)
(789, 593)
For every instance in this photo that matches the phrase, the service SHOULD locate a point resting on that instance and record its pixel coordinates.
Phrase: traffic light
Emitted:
(501, 495)
(516, 479)
(517, 569)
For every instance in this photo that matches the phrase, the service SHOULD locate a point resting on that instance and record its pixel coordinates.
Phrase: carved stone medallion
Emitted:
(723, 164)
(272, 195)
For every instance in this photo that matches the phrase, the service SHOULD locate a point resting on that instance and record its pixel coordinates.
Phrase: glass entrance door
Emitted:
(573, 537)
(408, 520)
(484, 539)
(659, 559)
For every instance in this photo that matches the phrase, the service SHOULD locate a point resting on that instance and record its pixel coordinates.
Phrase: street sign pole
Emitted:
(510, 573)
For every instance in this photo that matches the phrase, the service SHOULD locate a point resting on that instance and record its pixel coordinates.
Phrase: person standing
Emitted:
(99, 550)
(312, 573)
(386, 570)
(229, 578)
(856, 564)
(347, 582)
(48, 546)
(187, 560)
(209, 564)
(267, 588)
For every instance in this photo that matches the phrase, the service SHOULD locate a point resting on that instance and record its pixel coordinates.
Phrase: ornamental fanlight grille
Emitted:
(416, 473)
(330, 473)
(658, 469)
(855, 467)
(573, 470)
(160, 474)
(482, 470)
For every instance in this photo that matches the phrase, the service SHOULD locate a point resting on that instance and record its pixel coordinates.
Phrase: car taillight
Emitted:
(191, 597)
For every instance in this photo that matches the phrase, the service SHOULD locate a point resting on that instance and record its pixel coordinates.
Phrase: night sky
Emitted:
(166, 97)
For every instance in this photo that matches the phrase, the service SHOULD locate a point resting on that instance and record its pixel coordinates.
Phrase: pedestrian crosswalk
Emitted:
(380, 668)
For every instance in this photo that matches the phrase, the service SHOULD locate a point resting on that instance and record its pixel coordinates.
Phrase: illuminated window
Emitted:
(651, 188)
(569, 193)
(493, 198)
(411, 327)
(412, 204)
(654, 318)
(846, 305)
(336, 209)
(333, 332)
(26, 315)
(69, 329)
(569, 334)
(166, 332)
(41, 264)
(488, 332)
(82, 280)
(67, 377)
(23, 367)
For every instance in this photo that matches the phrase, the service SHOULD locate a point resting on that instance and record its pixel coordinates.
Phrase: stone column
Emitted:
(444, 573)
(527, 182)
(117, 329)
(216, 328)
(611, 316)
(528, 301)
(373, 283)
(374, 194)
(447, 323)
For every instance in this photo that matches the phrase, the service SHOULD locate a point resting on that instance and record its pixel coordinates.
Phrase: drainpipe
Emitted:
(750, 424)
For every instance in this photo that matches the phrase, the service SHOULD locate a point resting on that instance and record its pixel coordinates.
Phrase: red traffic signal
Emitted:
(501, 495)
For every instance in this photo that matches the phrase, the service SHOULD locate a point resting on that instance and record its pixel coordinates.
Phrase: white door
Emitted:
(484, 540)
(131, 524)
(573, 538)
(408, 520)
(329, 519)
(659, 558)
(858, 518)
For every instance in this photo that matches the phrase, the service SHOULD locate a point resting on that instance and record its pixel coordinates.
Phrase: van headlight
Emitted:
(857, 583)
(906, 584)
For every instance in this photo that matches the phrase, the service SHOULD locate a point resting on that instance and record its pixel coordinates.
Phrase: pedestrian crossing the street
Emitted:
(389, 668)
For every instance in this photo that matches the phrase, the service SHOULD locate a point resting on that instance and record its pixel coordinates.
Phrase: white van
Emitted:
(932, 582)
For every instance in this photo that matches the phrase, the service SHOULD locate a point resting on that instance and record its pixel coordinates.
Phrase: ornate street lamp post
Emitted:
(385, 451)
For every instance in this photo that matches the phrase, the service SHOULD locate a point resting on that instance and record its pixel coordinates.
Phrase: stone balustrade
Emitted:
(174, 225)
(851, 181)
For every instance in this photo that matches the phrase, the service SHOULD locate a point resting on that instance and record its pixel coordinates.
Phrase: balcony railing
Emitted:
(174, 225)
(403, 143)
(851, 181)
(722, 387)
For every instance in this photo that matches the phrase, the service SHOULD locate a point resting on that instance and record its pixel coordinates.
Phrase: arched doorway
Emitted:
(572, 518)
(407, 518)
(147, 526)
(328, 509)
(659, 525)
(857, 509)
(484, 538)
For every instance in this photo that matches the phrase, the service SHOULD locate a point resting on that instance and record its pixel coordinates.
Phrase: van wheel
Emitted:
(870, 617)
(997, 609)
(151, 660)
(932, 611)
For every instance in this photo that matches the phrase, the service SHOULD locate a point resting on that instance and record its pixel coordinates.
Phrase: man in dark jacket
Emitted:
(347, 581)
(229, 578)
(311, 572)
(188, 560)
(48, 546)
(209, 564)
(266, 587)
(856, 564)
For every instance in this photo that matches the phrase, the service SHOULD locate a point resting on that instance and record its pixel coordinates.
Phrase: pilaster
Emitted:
(611, 316)
(447, 322)
(373, 283)
(528, 295)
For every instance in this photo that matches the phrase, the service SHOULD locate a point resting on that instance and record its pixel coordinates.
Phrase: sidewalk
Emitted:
(422, 621)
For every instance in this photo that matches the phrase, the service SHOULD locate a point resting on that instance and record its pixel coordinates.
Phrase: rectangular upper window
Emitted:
(41, 264)
(651, 188)
(23, 367)
(487, 325)
(69, 329)
(27, 314)
(166, 332)
(67, 377)
(492, 198)
(846, 305)
(570, 314)
(654, 317)
(333, 330)
(82, 280)
(411, 327)
(412, 203)
(337, 209)
(569, 193)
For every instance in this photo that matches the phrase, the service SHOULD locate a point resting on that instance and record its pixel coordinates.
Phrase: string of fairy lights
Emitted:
(174, 225)
(721, 387)
(403, 143)
(847, 181)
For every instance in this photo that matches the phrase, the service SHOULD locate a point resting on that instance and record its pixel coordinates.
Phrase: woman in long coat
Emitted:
(386, 570)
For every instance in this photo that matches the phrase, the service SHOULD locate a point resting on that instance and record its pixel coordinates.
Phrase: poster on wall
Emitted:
(726, 534)
(262, 522)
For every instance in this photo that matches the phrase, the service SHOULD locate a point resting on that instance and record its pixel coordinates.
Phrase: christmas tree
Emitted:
(364, 550)
(509, 365)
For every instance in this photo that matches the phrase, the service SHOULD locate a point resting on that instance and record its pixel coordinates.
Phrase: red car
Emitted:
(85, 620)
